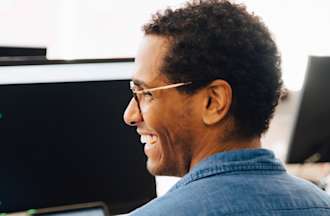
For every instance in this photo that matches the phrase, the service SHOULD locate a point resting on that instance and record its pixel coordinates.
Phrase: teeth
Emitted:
(149, 139)
(143, 139)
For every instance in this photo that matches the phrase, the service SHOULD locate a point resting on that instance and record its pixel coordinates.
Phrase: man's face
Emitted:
(165, 122)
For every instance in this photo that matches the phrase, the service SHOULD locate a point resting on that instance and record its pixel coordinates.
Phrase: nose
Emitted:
(132, 115)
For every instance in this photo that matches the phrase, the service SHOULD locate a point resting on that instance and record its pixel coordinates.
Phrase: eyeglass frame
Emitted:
(135, 92)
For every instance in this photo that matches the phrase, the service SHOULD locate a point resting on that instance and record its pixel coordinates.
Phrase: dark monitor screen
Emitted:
(310, 141)
(65, 142)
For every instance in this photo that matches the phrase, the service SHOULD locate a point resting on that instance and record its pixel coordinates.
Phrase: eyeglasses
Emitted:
(137, 94)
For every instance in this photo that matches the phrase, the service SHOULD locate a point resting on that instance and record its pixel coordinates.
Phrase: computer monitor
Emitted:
(310, 141)
(63, 139)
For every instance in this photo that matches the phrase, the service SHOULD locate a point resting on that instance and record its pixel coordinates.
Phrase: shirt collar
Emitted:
(232, 161)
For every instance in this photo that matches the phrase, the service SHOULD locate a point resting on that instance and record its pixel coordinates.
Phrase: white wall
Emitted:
(112, 28)
(28, 23)
(301, 28)
(77, 28)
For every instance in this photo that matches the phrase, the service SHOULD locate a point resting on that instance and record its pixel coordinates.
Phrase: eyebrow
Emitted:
(140, 83)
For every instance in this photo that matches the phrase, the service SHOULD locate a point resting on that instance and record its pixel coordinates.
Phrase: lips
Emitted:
(149, 140)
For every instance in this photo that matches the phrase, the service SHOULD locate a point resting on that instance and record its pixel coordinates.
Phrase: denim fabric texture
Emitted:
(245, 182)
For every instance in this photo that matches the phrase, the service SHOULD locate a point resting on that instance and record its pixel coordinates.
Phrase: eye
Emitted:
(147, 94)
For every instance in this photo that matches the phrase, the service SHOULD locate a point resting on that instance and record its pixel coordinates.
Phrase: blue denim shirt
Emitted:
(244, 182)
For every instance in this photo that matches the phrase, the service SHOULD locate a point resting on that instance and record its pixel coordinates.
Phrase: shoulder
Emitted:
(174, 203)
(234, 193)
(207, 196)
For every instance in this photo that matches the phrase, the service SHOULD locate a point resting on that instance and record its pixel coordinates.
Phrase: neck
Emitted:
(209, 148)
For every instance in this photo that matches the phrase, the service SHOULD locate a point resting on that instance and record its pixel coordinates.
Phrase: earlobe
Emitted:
(217, 103)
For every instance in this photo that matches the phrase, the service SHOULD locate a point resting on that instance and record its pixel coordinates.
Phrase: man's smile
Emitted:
(148, 139)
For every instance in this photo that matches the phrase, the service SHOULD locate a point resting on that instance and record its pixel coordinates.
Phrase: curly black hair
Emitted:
(217, 39)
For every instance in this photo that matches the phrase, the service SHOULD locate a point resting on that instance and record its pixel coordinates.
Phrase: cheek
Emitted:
(144, 109)
(169, 121)
(154, 153)
(171, 154)
(172, 140)
(164, 151)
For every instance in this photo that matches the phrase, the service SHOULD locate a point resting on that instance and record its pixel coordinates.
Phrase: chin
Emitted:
(153, 168)
(159, 170)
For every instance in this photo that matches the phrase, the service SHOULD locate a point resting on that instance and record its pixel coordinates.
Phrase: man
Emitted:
(205, 88)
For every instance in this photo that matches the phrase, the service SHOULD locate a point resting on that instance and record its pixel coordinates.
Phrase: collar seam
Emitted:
(222, 170)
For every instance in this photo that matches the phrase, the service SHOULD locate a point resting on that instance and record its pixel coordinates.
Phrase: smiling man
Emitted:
(205, 88)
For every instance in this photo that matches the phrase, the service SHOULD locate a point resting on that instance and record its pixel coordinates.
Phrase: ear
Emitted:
(217, 102)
